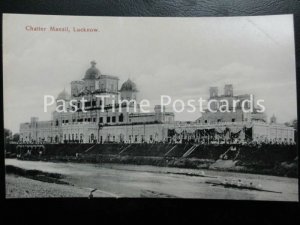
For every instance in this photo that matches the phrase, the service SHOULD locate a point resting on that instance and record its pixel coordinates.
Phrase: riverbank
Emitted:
(124, 180)
(21, 187)
(278, 160)
(23, 183)
(284, 169)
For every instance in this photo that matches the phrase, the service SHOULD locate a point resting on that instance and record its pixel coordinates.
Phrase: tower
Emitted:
(228, 90)
(76, 87)
(159, 112)
(213, 92)
(33, 130)
(273, 119)
(91, 76)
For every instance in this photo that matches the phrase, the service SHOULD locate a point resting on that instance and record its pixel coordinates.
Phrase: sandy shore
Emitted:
(21, 187)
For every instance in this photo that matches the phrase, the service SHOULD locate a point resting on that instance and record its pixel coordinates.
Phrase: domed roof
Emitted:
(92, 72)
(128, 86)
(63, 96)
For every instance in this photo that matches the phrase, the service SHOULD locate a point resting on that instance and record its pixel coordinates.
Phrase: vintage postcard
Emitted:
(150, 107)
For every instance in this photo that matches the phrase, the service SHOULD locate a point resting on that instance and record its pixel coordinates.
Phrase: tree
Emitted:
(7, 135)
(16, 137)
(295, 124)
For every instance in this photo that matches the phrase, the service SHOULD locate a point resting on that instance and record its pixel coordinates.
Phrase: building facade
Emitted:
(103, 120)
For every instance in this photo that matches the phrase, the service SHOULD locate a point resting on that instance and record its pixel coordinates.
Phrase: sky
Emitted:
(179, 57)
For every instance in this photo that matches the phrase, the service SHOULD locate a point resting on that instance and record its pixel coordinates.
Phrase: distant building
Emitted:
(132, 126)
(238, 115)
(240, 121)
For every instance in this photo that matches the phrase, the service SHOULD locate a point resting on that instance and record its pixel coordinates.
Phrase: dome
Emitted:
(129, 86)
(92, 72)
(63, 95)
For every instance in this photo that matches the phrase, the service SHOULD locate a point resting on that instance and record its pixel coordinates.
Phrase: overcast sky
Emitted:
(180, 57)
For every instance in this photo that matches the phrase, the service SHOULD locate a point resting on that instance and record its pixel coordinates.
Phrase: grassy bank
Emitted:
(35, 175)
(23, 183)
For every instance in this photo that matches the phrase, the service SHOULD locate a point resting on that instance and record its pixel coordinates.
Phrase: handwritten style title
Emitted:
(31, 28)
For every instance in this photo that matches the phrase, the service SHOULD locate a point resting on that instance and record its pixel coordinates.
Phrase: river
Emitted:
(119, 180)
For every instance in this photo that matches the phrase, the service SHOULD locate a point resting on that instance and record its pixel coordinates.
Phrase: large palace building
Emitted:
(122, 123)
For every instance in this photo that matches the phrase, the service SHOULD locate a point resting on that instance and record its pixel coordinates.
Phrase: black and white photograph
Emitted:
(150, 107)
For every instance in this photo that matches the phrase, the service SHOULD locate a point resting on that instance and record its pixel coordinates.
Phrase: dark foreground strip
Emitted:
(36, 175)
